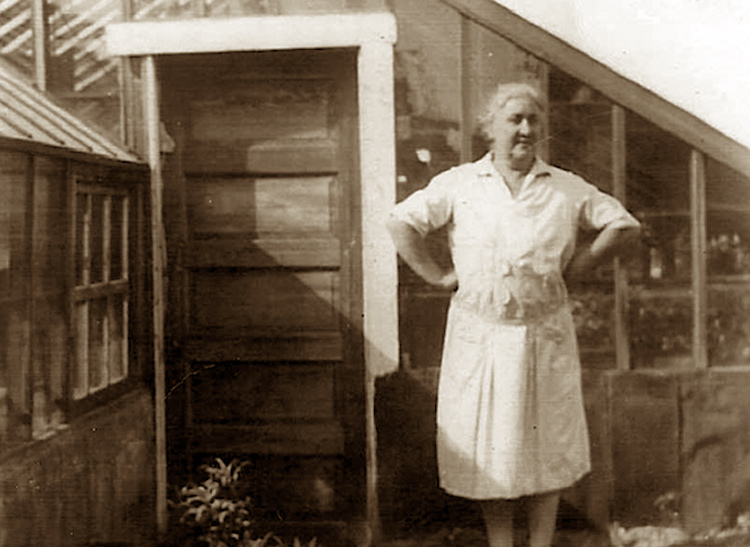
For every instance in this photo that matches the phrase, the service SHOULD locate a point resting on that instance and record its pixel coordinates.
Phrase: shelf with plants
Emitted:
(663, 259)
(593, 315)
(728, 325)
(661, 331)
(728, 266)
(661, 293)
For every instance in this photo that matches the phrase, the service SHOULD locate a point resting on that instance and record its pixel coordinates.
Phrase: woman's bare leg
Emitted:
(542, 510)
(498, 519)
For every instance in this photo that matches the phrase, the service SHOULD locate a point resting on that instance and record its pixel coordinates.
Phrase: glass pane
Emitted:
(97, 238)
(82, 76)
(98, 341)
(661, 319)
(83, 228)
(580, 130)
(659, 194)
(16, 36)
(661, 332)
(728, 221)
(428, 92)
(118, 338)
(593, 313)
(117, 236)
(158, 9)
(729, 325)
(80, 372)
(728, 265)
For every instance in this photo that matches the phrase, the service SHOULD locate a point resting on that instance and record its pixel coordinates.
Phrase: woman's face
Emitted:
(516, 129)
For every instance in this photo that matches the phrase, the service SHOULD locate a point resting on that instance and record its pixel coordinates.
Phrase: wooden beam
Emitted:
(41, 44)
(619, 186)
(379, 279)
(698, 254)
(151, 108)
(70, 277)
(321, 252)
(619, 89)
(209, 35)
(467, 115)
(239, 347)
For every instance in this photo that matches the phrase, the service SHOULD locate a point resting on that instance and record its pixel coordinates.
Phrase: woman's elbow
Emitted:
(397, 227)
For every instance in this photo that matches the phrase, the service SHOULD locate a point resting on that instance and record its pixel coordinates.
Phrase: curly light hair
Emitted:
(504, 93)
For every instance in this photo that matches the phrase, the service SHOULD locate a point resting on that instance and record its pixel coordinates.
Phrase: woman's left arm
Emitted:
(612, 241)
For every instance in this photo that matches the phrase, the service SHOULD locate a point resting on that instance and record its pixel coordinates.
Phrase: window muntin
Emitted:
(101, 293)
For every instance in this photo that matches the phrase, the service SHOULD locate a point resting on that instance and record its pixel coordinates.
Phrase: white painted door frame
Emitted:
(373, 34)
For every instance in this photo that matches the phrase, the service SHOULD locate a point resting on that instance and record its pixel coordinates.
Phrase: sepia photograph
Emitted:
(374, 273)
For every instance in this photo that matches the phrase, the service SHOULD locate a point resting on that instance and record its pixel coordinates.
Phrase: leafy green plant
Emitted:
(218, 516)
(214, 512)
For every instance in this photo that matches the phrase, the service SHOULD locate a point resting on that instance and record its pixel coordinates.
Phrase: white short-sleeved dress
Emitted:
(510, 414)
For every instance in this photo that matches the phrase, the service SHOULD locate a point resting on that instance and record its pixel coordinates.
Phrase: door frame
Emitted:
(373, 35)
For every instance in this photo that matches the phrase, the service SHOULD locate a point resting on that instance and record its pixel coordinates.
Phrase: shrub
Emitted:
(217, 516)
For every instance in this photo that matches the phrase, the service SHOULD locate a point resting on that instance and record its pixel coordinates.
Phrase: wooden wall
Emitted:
(72, 470)
(92, 482)
(652, 433)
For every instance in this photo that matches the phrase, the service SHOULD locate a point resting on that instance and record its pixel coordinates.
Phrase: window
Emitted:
(74, 326)
(696, 229)
(101, 293)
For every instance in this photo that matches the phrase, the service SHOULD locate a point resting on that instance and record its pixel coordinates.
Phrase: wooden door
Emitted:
(263, 175)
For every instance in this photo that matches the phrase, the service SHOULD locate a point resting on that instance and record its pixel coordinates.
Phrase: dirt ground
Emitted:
(475, 537)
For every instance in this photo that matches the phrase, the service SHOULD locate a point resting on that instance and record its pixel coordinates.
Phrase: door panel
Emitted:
(282, 392)
(262, 300)
(250, 206)
(267, 110)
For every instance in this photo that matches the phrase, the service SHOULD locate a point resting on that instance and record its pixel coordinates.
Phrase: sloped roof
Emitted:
(539, 29)
(26, 114)
(695, 54)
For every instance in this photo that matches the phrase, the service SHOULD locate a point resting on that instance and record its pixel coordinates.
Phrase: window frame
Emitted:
(131, 284)
(86, 292)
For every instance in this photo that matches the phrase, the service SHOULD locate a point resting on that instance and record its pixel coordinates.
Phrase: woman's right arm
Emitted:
(412, 248)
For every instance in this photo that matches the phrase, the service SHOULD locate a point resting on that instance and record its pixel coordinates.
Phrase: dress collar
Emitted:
(487, 168)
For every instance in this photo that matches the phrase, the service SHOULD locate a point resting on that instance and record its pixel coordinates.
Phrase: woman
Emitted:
(511, 422)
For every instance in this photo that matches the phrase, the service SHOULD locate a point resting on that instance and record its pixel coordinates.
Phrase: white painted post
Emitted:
(379, 276)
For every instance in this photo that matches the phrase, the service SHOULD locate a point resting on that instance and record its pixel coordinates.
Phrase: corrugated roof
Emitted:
(29, 115)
